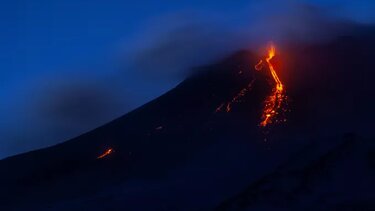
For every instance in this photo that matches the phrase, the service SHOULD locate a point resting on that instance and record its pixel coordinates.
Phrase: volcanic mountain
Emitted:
(152, 149)
(186, 151)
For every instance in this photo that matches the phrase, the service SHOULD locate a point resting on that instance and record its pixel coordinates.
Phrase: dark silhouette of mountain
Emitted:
(149, 143)
(178, 153)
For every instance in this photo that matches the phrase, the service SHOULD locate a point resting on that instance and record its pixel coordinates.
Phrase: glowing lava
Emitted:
(259, 66)
(236, 98)
(106, 153)
(275, 101)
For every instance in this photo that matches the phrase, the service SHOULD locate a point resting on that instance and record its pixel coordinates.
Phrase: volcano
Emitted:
(178, 152)
(154, 152)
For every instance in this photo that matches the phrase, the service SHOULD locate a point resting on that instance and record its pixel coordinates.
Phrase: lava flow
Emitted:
(106, 153)
(236, 98)
(274, 102)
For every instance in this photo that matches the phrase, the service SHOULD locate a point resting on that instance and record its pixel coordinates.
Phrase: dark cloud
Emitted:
(178, 42)
(60, 109)
(178, 45)
(78, 104)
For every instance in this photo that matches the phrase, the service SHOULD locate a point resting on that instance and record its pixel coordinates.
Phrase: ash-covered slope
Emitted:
(172, 153)
(317, 178)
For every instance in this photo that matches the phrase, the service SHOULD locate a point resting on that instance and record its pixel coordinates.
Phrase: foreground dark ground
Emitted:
(177, 153)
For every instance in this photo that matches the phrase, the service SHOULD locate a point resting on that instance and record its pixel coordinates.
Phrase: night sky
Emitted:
(68, 66)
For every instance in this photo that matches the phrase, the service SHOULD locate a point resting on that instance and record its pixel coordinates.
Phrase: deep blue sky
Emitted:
(52, 45)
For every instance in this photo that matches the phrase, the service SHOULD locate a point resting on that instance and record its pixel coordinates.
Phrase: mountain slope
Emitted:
(340, 178)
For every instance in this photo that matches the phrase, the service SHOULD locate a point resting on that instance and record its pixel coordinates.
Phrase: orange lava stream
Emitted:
(275, 100)
(236, 98)
(259, 66)
(218, 109)
(106, 153)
